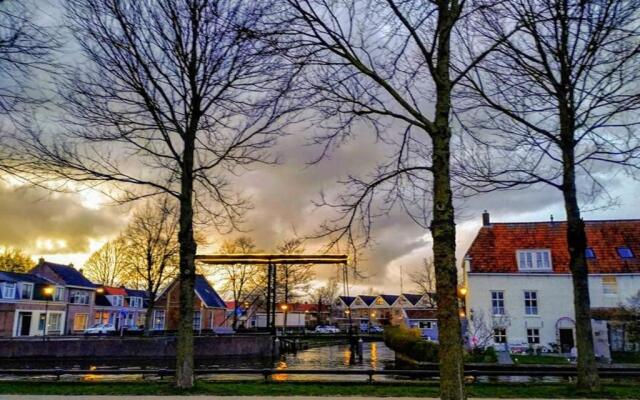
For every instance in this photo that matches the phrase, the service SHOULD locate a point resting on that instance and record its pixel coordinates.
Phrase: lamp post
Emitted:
(284, 308)
(372, 315)
(48, 292)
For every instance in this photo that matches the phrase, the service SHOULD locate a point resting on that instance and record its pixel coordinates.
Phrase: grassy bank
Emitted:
(540, 360)
(613, 391)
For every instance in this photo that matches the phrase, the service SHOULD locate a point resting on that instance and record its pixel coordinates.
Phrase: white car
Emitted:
(100, 329)
(331, 329)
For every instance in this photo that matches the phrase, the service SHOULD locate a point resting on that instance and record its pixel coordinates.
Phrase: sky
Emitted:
(67, 228)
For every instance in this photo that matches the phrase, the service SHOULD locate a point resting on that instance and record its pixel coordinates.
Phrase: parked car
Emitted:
(326, 329)
(100, 329)
(376, 329)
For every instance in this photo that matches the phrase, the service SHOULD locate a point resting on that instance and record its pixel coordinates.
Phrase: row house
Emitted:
(376, 310)
(519, 286)
(208, 308)
(72, 289)
(121, 307)
(30, 305)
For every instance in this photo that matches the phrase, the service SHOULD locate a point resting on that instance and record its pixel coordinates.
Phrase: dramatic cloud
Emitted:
(46, 223)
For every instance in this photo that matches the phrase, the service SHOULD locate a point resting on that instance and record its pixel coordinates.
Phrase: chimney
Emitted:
(41, 261)
(486, 219)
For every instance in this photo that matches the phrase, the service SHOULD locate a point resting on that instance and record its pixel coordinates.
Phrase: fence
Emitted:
(267, 373)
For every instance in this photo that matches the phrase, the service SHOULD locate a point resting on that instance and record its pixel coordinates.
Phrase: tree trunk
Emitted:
(443, 227)
(184, 350)
(148, 316)
(588, 378)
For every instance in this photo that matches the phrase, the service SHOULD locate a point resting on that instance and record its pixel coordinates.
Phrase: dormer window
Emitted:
(589, 253)
(26, 291)
(534, 260)
(625, 252)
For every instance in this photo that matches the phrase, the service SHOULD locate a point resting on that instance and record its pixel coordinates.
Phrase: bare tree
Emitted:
(108, 265)
(293, 280)
(25, 49)
(170, 97)
(15, 260)
(557, 104)
(152, 251)
(424, 279)
(324, 297)
(388, 66)
(242, 282)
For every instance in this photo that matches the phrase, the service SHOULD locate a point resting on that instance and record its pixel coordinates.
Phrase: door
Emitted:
(24, 323)
(566, 340)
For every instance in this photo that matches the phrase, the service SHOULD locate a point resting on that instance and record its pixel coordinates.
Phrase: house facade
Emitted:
(77, 292)
(122, 307)
(519, 287)
(27, 309)
(209, 310)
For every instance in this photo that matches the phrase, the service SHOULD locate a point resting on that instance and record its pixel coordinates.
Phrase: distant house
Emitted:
(23, 302)
(423, 319)
(119, 306)
(519, 286)
(75, 289)
(208, 309)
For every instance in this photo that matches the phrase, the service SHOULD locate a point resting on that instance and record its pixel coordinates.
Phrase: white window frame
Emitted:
(9, 290)
(199, 320)
(86, 321)
(24, 285)
(58, 325)
(79, 294)
(610, 288)
(502, 335)
(494, 300)
(533, 335)
(135, 302)
(534, 260)
(58, 295)
(156, 314)
(530, 302)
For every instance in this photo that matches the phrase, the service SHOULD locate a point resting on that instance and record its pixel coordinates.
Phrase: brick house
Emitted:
(519, 287)
(208, 308)
(119, 306)
(25, 308)
(78, 293)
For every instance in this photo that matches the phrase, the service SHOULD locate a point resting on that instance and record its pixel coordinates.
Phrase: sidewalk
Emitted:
(23, 397)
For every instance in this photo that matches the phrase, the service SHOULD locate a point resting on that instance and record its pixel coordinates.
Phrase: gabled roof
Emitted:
(348, 300)
(368, 300)
(6, 276)
(69, 275)
(389, 298)
(412, 298)
(208, 295)
(494, 248)
(136, 293)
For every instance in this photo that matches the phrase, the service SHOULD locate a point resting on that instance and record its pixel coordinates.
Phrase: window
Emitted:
(197, 319)
(533, 336)
(53, 323)
(79, 297)
(116, 301)
(427, 324)
(379, 301)
(534, 260)
(80, 322)
(500, 335)
(497, 303)
(158, 320)
(609, 285)
(625, 252)
(531, 303)
(26, 291)
(135, 302)
(9, 290)
(59, 294)
(589, 253)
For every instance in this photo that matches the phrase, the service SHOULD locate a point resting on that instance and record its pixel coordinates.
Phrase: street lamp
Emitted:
(48, 293)
(284, 308)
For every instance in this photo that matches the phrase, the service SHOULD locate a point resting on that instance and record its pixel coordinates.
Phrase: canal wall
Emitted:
(122, 348)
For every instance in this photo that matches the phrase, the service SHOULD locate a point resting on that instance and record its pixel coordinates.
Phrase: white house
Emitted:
(519, 288)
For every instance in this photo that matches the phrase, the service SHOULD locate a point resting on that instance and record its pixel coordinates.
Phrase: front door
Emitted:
(566, 340)
(24, 323)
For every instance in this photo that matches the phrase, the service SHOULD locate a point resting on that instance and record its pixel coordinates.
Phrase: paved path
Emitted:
(504, 358)
(23, 397)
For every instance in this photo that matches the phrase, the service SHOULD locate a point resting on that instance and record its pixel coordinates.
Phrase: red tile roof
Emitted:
(114, 291)
(421, 313)
(494, 248)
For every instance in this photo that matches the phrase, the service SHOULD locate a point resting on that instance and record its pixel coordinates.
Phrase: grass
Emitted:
(626, 357)
(543, 360)
(383, 389)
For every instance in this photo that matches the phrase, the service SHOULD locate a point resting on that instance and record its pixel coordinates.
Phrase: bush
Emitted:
(409, 343)
(482, 355)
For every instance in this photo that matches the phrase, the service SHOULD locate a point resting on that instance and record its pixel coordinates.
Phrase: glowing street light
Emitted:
(48, 295)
